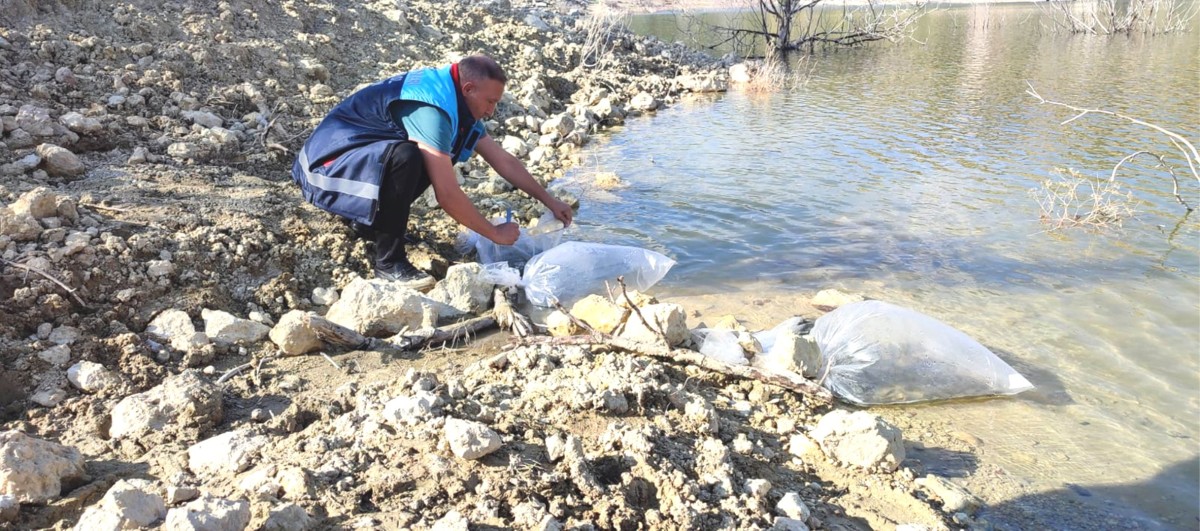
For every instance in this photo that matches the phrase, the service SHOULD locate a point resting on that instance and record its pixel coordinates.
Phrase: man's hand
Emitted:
(561, 210)
(505, 233)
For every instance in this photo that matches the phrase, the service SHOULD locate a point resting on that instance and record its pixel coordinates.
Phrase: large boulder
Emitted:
(379, 307)
(224, 328)
(182, 402)
(860, 439)
(293, 335)
(35, 471)
(129, 504)
(464, 288)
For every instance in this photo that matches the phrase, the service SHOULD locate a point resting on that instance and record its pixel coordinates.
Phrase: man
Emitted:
(379, 149)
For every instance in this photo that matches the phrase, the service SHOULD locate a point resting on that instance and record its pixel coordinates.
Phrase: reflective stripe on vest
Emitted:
(342, 186)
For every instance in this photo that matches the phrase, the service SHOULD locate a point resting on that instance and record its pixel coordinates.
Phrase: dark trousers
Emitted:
(404, 180)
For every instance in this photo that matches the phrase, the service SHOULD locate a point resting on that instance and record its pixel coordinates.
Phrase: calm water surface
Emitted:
(903, 172)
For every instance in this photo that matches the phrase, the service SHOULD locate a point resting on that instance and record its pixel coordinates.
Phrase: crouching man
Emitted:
(375, 153)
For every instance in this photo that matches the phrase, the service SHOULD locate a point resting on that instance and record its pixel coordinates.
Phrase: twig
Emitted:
(657, 330)
(438, 336)
(331, 362)
(233, 372)
(45, 275)
(578, 322)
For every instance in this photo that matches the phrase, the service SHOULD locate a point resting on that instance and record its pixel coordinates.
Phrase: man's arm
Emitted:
(455, 202)
(514, 172)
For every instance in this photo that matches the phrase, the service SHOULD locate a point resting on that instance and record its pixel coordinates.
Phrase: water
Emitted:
(902, 172)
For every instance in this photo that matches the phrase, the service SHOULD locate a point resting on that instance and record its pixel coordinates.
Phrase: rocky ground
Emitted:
(161, 276)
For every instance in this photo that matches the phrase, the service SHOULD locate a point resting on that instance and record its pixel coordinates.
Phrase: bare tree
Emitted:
(785, 25)
(1111, 17)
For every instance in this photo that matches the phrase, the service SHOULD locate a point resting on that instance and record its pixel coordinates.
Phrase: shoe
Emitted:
(408, 276)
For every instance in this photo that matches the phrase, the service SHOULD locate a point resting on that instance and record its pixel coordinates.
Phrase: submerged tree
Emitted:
(785, 25)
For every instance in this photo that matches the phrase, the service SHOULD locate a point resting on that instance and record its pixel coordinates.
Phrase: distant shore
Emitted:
(667, 6)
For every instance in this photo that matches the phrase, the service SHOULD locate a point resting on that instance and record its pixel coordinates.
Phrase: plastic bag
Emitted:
(879, 353)
(574, 270)
(547, 234)
(501, 274)
(722, 345)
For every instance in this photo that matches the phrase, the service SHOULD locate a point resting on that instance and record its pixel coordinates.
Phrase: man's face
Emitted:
(482, 97)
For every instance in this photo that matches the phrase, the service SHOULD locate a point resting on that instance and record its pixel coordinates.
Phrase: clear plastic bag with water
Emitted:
(547, 234)
(574, 270)
(721, 345)
(880, 353)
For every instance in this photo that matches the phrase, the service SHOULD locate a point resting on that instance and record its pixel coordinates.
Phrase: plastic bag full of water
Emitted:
(879, 353)
(574, 270)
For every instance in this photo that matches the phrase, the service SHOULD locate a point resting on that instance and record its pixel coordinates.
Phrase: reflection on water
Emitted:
(903, 172)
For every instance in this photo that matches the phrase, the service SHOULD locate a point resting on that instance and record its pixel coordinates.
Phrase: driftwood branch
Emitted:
(70, 291)
(336, 334)
(432, 337)
(787, 381)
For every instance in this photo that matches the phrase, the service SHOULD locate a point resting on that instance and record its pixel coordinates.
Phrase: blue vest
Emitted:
(340, 167)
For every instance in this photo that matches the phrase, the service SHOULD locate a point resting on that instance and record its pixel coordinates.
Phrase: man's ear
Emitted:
(468, 87)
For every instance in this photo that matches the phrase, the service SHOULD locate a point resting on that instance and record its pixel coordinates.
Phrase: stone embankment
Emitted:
(161, 274)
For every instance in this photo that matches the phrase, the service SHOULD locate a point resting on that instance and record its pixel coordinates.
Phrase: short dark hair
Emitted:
(480, 66)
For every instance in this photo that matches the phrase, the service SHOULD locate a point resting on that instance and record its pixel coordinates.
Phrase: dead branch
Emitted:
(236, 370)
(47, 276)
(579, 323)
(786, 381)
(439, 336)
(507, 316)
(336, 334)
(1185, 148)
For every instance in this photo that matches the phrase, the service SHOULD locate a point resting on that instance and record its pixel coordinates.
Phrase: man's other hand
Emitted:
(506, 233)
(561, 210)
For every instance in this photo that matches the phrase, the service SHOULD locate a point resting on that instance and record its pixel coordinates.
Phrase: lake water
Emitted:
(903, 172)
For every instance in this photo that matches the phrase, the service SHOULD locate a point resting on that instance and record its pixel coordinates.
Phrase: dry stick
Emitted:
(1161, 162)
(582, 325)
(47, 276)
(657, 330)
(234, 371)
(790, 382)
(331, 362)
(439, 336)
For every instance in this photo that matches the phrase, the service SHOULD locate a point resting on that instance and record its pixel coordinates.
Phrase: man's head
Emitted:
(482, 83)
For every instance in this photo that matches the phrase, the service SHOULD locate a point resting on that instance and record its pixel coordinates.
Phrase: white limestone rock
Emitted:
(860, 439)
(209, 514)
(223, 328)
(604, 315)
(791, 506)
(378, 307)
(57, 355)
(228, 453)
(464, 288)
(669, 318)
(643, 101)
(129, 504)
(471, 440)
(91, 377)
(288, 517)
(185, 399)
(175, 327)
(293, 336)
(955, 499)
(33, 470)
(324, 296)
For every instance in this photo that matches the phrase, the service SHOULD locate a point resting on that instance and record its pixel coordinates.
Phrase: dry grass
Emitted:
(774, 74)
(1073, 200)
(600, 28)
